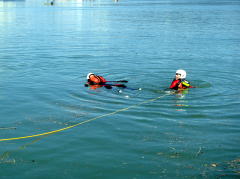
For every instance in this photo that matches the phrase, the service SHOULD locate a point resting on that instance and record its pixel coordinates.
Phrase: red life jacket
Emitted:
(179, 84)
(97, 79)
(174, 84)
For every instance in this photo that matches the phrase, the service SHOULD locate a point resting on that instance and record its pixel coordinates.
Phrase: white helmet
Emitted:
(182, 73)
(89, 74)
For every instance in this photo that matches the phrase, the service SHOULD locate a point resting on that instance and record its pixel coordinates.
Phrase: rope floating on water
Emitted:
(86, 121)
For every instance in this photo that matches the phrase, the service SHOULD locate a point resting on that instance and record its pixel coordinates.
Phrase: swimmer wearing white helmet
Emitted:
(88, 75)
(180, 82)
(95, 79)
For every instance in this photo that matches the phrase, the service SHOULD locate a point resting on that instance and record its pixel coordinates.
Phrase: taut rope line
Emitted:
(83, 122)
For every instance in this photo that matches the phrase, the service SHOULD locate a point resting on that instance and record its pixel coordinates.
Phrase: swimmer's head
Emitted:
(88, 75)
(181, 73)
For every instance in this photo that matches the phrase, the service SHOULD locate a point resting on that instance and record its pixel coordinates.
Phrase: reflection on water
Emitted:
(6, 158)
(12, 0)
(75, 3)
(10, 3)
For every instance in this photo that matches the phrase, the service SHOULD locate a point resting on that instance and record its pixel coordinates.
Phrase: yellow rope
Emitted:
(83, 122)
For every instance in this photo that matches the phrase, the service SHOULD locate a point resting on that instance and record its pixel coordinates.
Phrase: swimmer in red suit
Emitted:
(179, 82)
(95, 79)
